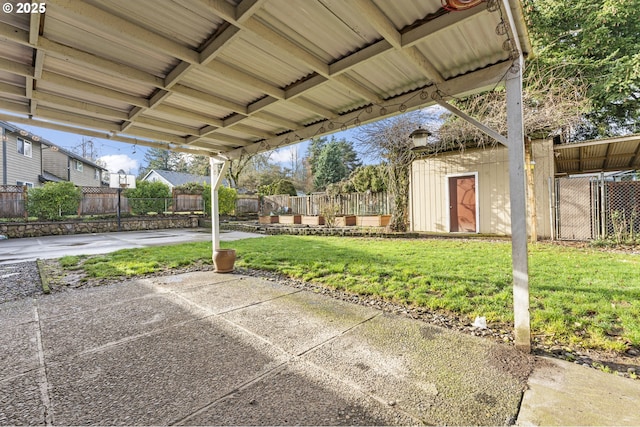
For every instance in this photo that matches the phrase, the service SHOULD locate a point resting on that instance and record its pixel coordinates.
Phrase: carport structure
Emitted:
(227, 78)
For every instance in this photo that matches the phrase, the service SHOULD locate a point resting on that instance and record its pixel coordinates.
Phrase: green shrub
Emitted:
(368, 178)
(281, 186)
(53, 200)
(148, 196)
(226, 200)
(190, 188)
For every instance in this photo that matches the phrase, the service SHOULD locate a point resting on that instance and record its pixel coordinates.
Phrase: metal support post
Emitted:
(518, 196)
(218, 169)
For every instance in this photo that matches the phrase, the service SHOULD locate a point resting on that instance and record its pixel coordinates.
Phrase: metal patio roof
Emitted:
(221, 77)
(603, 155)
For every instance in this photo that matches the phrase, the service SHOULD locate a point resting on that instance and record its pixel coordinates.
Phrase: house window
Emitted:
(24, 147)
(79, 165)
(96, 174)
(21, 184)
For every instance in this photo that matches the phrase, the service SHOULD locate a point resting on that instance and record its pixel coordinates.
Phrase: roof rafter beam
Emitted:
(386, 28)
(210, 99)
(97, 134)
(78, 106)
(165, 126)
(189, 115)
(70, 83)
(415, 35)
(73, 118)
(242, 79)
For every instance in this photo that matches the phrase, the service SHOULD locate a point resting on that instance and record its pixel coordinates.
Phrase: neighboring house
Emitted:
(21, 162)
(30, 160)
(175, 179)
(468, 191)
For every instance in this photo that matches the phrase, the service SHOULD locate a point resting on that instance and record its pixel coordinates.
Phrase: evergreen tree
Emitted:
(342, 152)
(330, 166)
(156, 158)
(599, 41)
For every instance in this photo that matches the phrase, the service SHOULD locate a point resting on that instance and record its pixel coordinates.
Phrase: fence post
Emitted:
(25, 199)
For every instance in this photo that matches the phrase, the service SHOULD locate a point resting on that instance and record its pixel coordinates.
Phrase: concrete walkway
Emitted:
(212, 349)
(32, 248)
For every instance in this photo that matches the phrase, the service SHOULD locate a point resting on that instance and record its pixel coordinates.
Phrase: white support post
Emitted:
(218, 169)
(518, 196)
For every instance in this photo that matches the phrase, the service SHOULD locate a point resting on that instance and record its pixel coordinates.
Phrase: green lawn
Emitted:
(582, 297)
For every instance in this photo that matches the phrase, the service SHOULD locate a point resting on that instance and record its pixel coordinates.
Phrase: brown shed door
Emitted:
(462, 203)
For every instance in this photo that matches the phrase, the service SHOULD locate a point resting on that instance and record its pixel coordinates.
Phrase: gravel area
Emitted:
(19, 281)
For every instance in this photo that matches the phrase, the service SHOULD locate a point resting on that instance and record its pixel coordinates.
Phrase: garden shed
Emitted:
(468, 191)
(572, 192)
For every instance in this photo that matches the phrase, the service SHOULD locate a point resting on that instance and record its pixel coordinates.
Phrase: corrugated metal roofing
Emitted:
(612, 154)
(227, 77)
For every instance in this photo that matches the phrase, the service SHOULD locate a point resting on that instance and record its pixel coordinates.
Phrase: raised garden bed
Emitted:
(268, 219)
(345, 221)
(373, 220)
(290, 219)
(312, 220)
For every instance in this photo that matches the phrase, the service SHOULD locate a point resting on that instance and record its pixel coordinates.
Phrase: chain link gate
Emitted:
(596, 207)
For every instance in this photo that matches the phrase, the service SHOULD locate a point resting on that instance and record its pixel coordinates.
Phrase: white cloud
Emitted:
(115, 162)
(283, 155)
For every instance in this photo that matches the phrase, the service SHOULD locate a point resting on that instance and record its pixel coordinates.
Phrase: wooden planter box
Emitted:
(290, 219)
(312, 220)
(373, 220)
(270, 219)
(345, 221)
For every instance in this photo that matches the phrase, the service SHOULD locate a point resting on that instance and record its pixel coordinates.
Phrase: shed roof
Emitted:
(227, 77)
(602, 155)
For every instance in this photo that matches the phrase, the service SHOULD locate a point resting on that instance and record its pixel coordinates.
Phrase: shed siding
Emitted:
(19, 167)
(429, 188)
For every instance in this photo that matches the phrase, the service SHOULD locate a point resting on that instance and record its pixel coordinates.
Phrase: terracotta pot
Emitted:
(224, 259)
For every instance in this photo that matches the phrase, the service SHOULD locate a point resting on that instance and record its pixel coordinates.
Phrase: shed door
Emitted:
(462, 203)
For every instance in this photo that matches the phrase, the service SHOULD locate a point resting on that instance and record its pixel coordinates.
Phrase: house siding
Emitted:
(429, 188)
(61, 165)
(56, 163)
(19, 167)
(86, 178)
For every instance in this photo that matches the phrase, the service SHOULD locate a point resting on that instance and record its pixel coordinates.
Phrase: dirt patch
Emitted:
(518, 364)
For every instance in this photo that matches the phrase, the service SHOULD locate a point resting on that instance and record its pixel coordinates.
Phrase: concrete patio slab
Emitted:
(298, 394)
(21, 400)
(195, 280)
(65, 336)
(300, 321)
(17, 312)
(64, 303)
(18, 349)
(158, 378)
(566, 394)
(439, 376)
(229, 295)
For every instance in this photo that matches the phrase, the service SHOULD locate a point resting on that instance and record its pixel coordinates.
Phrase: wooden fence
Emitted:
(13, 199)
(104, 201)
(101, 201)
(315, 204)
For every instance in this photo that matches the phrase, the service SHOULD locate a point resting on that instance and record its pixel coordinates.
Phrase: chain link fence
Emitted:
(597, 207)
